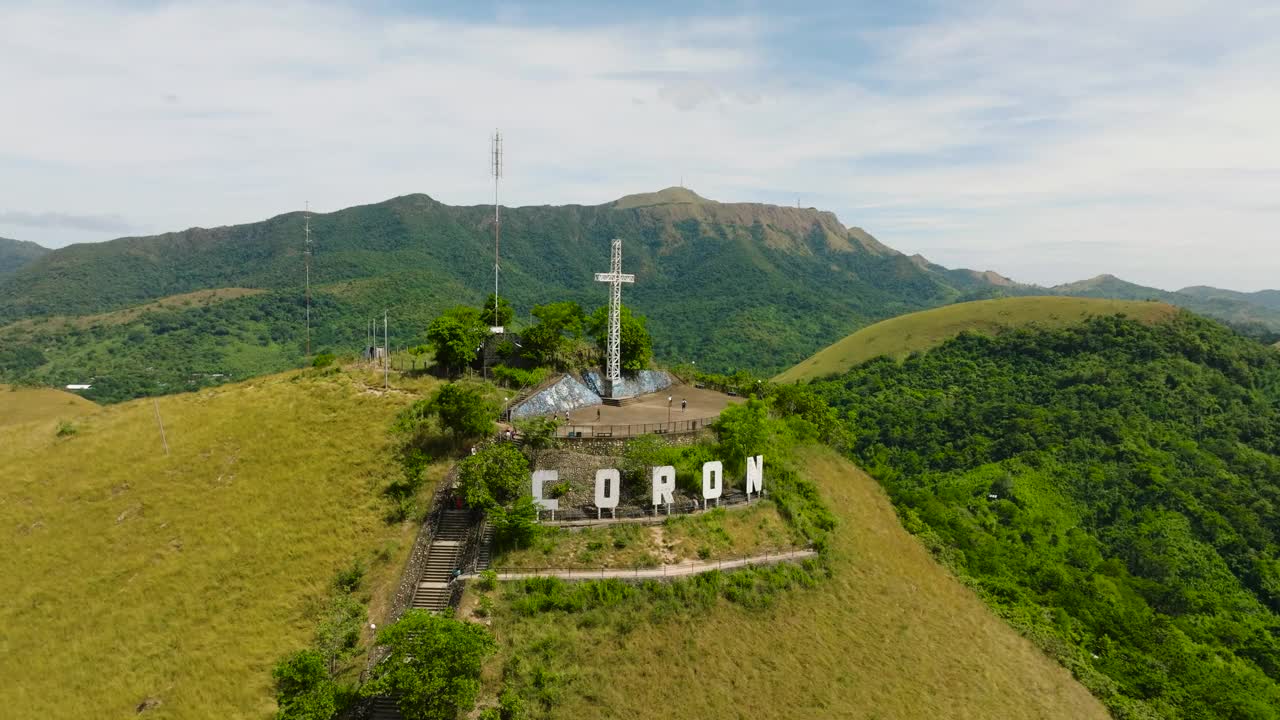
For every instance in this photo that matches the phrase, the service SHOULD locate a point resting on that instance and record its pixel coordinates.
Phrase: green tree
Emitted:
(463, 410)
(493, 477)
(558, 323)
(304, 690)
(338, 634)
(416, 352)
(745, 430)
(456, 337)
(538, 434)
(503, 315)
(433, 665)
(635, 347)
(516, 525)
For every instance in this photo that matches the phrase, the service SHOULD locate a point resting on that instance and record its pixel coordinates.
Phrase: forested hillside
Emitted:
(729, 286)
(16, 254)
(1256, 313)
(1112, 488)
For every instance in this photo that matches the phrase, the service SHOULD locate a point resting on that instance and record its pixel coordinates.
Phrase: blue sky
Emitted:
(1049, 142)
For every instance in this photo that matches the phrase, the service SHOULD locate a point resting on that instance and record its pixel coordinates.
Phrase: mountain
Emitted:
(1251, 311)
(921, 331)
(16, 254)
(1265, 298)
(726, 285)
(1109, 487)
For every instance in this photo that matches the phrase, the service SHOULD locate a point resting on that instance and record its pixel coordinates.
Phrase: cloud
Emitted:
(995, 133)
(69, 221)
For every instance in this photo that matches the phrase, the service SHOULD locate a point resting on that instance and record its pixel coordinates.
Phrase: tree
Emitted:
(304, 690)
(433, 665)
(416, 352)
(635, 347)
(339, 630)
(463, 410)
(503, 315)
(494, 477)
(517, 525)
(746, 430)
(456, 336)
(557, 324)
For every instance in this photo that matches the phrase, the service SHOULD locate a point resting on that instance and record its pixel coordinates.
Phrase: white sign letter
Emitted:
(607, 489)
(712, 481)
(539, 478)
(664, 485)
(755, 474)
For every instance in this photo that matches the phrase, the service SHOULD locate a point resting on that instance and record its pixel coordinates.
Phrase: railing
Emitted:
(675, 427)
(656, 570)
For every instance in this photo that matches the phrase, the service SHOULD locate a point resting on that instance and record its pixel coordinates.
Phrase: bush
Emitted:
(323, 360)
(304, 690)
(348, 579)
(487, 581)
(518, 378)
(433, 665)
(66, 429)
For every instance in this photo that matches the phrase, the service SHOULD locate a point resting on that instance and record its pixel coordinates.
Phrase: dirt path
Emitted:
(688, 567)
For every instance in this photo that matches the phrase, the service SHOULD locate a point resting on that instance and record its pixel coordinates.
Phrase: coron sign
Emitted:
(608, 486)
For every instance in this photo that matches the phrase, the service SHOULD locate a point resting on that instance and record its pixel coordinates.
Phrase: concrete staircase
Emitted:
(384, 708)
(433, 590)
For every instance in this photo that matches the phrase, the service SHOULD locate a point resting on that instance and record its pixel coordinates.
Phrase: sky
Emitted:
(1050, 142)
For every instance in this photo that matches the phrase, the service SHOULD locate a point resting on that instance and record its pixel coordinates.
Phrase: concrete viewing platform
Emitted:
(649, 413)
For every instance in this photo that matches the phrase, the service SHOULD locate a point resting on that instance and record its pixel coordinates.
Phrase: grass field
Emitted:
(25, 405)
(198, 298)
(130, 574)
(715, 535)
(891, 636)
(900, 336)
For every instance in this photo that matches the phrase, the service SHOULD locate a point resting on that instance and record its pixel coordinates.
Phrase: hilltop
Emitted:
(921, 331)
(726, 285)
(17, 254)
(890, 635)
(27, 405)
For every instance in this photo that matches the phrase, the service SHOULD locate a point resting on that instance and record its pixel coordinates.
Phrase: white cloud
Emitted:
(1152, 131)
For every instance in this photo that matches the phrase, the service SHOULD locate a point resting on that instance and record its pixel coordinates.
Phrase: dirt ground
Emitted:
(652, 408)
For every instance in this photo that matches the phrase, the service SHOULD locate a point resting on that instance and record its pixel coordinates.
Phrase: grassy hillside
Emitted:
(24, 405)
(891, 635)
(901, 336)
(129, 574)
(1110, 487)
(728, 285)
(16, 254)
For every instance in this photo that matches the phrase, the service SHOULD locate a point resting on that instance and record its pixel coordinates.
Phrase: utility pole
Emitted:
(307, 253)
(496, 150)
(386, 354)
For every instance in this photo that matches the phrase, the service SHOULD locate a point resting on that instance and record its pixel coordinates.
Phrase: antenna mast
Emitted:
(496, 152)
(307, 253)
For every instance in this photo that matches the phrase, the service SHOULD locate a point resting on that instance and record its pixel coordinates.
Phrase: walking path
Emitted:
(678, 570)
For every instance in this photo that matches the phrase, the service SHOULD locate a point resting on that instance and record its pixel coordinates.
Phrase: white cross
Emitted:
(615, 278)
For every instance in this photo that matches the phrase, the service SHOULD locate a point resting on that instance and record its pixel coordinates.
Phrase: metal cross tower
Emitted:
(615, 278)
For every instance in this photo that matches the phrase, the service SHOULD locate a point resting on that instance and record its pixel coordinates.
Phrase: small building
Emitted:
(79, 387)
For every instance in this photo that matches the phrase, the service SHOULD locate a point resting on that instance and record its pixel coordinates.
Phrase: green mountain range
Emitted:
(726, 285)
(16, 254)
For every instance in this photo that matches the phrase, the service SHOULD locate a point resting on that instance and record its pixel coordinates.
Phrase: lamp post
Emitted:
(668, 409)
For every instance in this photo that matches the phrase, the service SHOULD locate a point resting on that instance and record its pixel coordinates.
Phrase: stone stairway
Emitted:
(433, 590)
(384, 708)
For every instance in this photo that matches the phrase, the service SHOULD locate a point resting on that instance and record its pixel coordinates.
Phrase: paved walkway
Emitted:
(684, 568)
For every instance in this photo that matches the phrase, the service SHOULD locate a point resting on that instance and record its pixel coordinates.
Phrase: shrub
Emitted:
(66, 429)
(304, 690)
(322, 360)
(349, 578)
(517, 377)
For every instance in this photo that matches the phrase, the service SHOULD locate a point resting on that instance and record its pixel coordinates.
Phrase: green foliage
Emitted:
(1108, 488)
(558, 324)
(348, 579)
(304, 690)
(746, 430)
(494, 477)
(338, 633)
(538, 433)
(501, 317)
(515, 525)
(323, 360)
(66, 429)
(456, 337)
(635, 347)
(433, 665)
(518, 377)
(463, 410)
